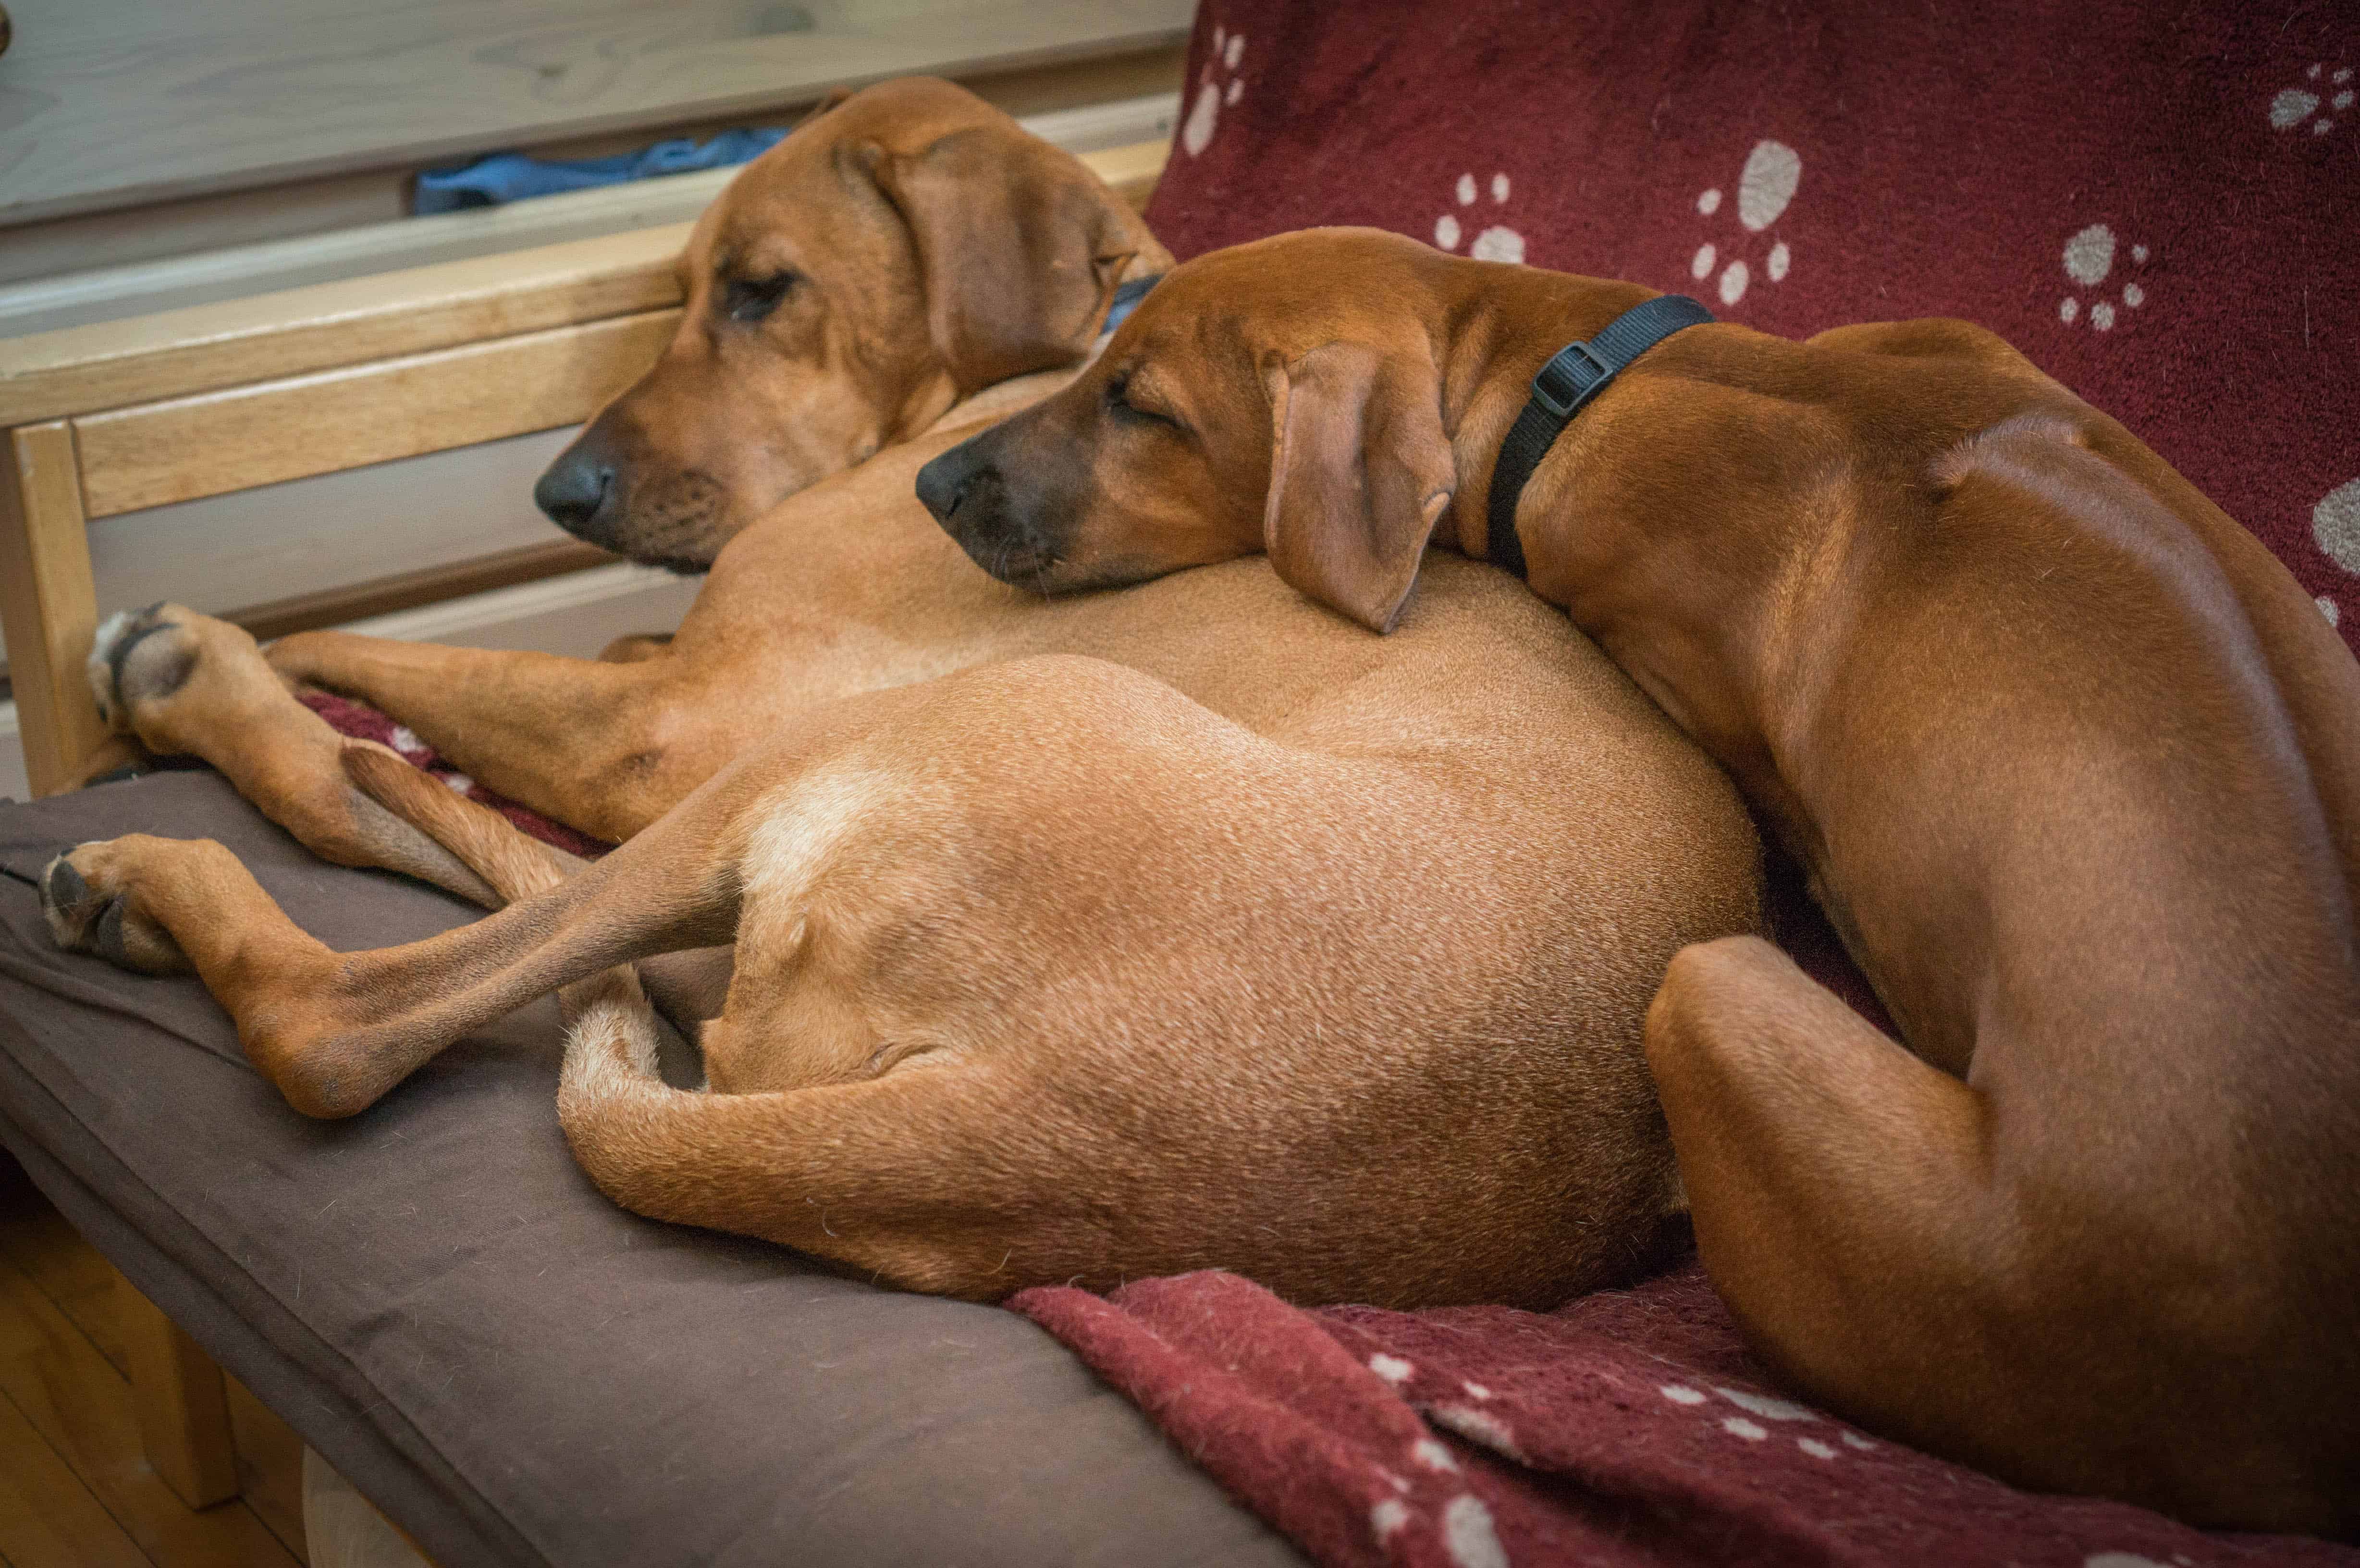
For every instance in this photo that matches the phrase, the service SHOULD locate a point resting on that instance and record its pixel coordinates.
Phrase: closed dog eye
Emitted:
(1118, 401)
(751, 298)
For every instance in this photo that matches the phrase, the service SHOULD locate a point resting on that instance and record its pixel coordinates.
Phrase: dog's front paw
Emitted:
(89, 899)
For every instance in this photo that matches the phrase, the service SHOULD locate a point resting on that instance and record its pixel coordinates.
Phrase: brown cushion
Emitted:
(514, 1368)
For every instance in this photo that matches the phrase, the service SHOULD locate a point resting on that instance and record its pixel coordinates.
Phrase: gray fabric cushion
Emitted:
(515, 1369)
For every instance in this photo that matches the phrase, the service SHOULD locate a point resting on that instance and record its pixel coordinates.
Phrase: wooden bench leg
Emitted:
(46, 603)
(184, 1405)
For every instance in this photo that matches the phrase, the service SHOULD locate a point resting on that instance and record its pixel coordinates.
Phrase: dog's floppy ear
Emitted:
(1360, 472)
(1019, 248)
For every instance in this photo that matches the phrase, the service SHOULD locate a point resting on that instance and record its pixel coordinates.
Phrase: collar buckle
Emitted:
(1569, 378)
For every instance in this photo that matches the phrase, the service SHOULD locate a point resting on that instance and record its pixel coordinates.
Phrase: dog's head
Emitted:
(1283, 395)
(905, 247)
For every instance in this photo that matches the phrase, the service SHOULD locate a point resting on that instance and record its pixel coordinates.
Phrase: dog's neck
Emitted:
(1505, 330)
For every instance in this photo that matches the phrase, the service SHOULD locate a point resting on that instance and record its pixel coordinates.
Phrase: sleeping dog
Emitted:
(2071, 762)
(1087, 939)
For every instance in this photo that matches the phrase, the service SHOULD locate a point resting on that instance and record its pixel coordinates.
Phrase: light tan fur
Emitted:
(1084, 939)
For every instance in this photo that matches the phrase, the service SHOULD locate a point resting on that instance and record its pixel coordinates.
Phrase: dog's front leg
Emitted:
(606, 746)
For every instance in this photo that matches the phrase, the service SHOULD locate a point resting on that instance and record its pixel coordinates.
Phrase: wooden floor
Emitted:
(75, 1490)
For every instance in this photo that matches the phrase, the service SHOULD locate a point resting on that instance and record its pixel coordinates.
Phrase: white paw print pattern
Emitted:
(1219, 85)
(2323, 92)
(1497, 243)
(2335, 525)
(1463, 1524)
(1764, 187)
(2090, 262)
(1747, 1428)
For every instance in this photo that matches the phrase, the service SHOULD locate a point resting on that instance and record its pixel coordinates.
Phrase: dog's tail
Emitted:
(514, 865)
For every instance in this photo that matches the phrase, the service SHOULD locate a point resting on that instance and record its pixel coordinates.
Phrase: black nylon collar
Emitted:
(1574, 374)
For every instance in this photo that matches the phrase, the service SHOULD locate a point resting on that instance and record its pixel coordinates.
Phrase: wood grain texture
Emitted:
(67, 1270)
(291, 332)
(47, 1516)
(234, 439)
(57, 1373)
(82, 1408)
(47, 602)
(264, 336)
(126, 101)
(183, 1411)
(428, 585)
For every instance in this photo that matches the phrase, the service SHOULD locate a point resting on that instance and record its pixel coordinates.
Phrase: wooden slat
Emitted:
(183, 1409)
(266, 336)
(427, 585)
(234, 439)
(47, 601)
(81, 1406)
(144, 102)
(293, 332)
(1132, 172)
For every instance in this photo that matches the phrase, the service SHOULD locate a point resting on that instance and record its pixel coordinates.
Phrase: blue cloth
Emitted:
(512, 177)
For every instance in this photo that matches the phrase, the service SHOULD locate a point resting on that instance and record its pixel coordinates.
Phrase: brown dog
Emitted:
(2074, 765)
(904, 248)
(1282, 948)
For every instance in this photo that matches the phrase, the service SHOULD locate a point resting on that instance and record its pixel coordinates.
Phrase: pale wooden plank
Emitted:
(269, 1466)
(293, 332)
(82, 1408)
(172, 353)
(234, 439)
(47, 602)
(221, 95)
(1131, 171)
(48, 1518)
(177, 1395)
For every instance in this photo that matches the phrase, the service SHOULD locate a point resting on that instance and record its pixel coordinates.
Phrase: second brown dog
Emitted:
(2072, 762)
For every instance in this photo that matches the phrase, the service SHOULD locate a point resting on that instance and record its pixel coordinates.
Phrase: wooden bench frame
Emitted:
(277, 387)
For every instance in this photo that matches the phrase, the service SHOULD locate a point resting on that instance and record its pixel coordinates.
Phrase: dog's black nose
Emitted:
(573, 489)
(943, 484)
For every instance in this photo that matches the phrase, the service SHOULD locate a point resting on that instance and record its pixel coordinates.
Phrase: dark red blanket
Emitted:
(2161, 205)
(1626, 1428)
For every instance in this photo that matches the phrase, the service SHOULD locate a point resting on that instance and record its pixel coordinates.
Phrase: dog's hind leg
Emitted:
(186, 684)
(334, 1031)
(689, 986)
(1958, 1266)
(919, 1178)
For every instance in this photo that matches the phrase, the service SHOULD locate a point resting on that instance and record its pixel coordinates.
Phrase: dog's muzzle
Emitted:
(574, 492)
(968, 493)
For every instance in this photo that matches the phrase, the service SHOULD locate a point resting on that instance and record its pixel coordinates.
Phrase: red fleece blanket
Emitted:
(2160, 205)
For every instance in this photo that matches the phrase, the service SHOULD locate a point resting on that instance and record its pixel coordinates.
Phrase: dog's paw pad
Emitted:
(91, 916)
(139, 656)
